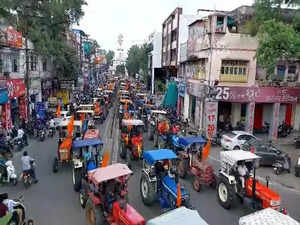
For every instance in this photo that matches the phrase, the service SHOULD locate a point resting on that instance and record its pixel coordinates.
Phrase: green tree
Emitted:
(278, 31)
(46, 24)
(110, 57)
(120, 69)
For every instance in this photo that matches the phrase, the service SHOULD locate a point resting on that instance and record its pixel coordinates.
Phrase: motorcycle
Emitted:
(51, 132)
(297, 168)
(18, 143)
(27, 177)
(8, 174)
(282, 165)
(42, 135)
(284, 130)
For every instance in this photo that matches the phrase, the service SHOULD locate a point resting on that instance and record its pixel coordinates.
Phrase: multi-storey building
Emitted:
(219, 54)
(174, 32)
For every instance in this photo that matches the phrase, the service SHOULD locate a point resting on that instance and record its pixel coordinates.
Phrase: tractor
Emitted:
(160, 182)
(193, 159)
(104, 197)
(132, 139)
(250, 191)
(86, 155)
(155, 117)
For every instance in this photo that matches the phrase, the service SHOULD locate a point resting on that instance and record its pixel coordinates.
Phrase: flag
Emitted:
(66, 144)
(58, 110)
(97, 108)
(126, 106)
(206, 150)
(70, 126)
(105, 160)
(178, 202)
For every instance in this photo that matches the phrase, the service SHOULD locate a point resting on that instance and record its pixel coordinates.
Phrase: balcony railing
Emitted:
(233, 78)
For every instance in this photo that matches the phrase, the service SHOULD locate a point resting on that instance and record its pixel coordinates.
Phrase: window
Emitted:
(45, 65)
(15, 63)
(173, 35)
(173, 54)
(292, 69)
(33, 62)
(234, 67)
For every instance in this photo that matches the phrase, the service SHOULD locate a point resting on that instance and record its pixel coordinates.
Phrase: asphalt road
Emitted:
(53, 202)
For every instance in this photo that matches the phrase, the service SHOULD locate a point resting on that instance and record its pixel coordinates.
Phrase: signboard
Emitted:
(67, 84)
(196, 89)
(14, 38)
(16, 88)
(258, 94)
(250, 117)
(211, 114)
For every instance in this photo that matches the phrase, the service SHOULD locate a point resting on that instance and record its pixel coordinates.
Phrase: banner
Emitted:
(14, 38)
(211, 113)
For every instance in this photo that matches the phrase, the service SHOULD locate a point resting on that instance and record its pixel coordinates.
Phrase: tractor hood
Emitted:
(171, 185)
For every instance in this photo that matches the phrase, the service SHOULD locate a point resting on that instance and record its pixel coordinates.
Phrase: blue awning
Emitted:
(185, 141)
(86, 142)
(160, 154)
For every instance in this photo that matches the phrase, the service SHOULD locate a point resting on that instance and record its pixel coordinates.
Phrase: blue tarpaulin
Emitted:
(86, 142)
(3, 96)
(160, 154)
(179, 216)
(41, 111)
(170, 100)
(185, 141)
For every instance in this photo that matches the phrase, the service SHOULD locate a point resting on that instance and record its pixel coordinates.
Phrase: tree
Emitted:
(110, 57)
(278, 31)
(46, 24)
(120, 69)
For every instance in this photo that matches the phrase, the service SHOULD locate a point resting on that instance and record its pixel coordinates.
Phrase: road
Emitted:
(53, 202)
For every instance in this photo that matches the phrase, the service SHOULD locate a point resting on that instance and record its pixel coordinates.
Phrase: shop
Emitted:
(259, 105)
(64, 93)
(15, 109)
(47, 92)
(180, 102)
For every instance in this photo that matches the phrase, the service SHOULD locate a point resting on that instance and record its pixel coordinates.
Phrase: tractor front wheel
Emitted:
(55, 165)
(182, 168)
(93, 214)
(225, 193)
(147, 191)
(76, 175)
(196, 184)
(123, 151)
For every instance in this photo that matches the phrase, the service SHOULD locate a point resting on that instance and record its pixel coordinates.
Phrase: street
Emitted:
(53, 201)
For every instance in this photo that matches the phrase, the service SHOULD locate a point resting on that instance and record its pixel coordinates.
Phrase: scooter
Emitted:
(42, 135)
(10, 176)
(26, 176)
(282, 165)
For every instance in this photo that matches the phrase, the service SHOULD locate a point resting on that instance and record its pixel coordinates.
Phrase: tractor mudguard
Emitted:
(128, 215)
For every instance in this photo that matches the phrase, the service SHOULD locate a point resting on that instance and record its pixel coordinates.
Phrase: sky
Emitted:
(136, 19)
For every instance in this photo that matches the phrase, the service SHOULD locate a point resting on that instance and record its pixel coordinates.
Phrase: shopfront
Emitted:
(46, 86)
(259, 105)
(181, 96)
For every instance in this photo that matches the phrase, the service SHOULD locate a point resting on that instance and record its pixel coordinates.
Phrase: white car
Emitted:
(235, 139)
(64, 115)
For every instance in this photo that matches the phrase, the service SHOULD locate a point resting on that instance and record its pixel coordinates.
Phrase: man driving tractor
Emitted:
(243, 171)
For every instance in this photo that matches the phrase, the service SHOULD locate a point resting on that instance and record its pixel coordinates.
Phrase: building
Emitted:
(154, 59)
(174, 32)
(219, 57)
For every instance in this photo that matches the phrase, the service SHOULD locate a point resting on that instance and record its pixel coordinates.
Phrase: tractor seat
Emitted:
(170, 184)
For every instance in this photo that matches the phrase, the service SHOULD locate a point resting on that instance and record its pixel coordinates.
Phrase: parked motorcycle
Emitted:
(282, 165)
(297, 142)
(8, 173)
(263, 130)
(284, 130)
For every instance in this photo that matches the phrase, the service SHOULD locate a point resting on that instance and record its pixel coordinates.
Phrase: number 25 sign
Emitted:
(223, 93)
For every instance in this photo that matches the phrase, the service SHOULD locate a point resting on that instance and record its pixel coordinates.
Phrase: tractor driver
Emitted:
(243, 171)
(110, 194)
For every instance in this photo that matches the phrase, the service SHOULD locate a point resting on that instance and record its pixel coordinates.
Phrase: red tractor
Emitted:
(104, 197)
(193, 160)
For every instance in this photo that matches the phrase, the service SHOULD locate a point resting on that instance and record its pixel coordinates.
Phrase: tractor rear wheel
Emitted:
(225, 193)
(55, 165)
(93, 214)
(123, 151)
(182, 168)
(147, 190)
(76, 175)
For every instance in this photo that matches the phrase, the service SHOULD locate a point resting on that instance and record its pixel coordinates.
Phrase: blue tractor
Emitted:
(159, 180)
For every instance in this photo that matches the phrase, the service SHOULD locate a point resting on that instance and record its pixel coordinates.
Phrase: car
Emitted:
(234, 139)
(64, 116)
(267, 151)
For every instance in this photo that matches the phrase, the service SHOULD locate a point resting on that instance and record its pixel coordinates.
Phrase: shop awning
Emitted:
(170, 100)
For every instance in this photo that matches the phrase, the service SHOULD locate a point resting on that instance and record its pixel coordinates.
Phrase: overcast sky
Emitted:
(104, 20)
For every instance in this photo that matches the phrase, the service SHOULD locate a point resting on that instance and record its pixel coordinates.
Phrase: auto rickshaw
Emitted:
(132, 139)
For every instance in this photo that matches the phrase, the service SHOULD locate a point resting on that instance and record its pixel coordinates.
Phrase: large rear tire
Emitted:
(93, 214)
(147, 190)
(225, 193)
(76, 175)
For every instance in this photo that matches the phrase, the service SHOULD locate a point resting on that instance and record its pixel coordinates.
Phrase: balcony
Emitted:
(233, 78)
